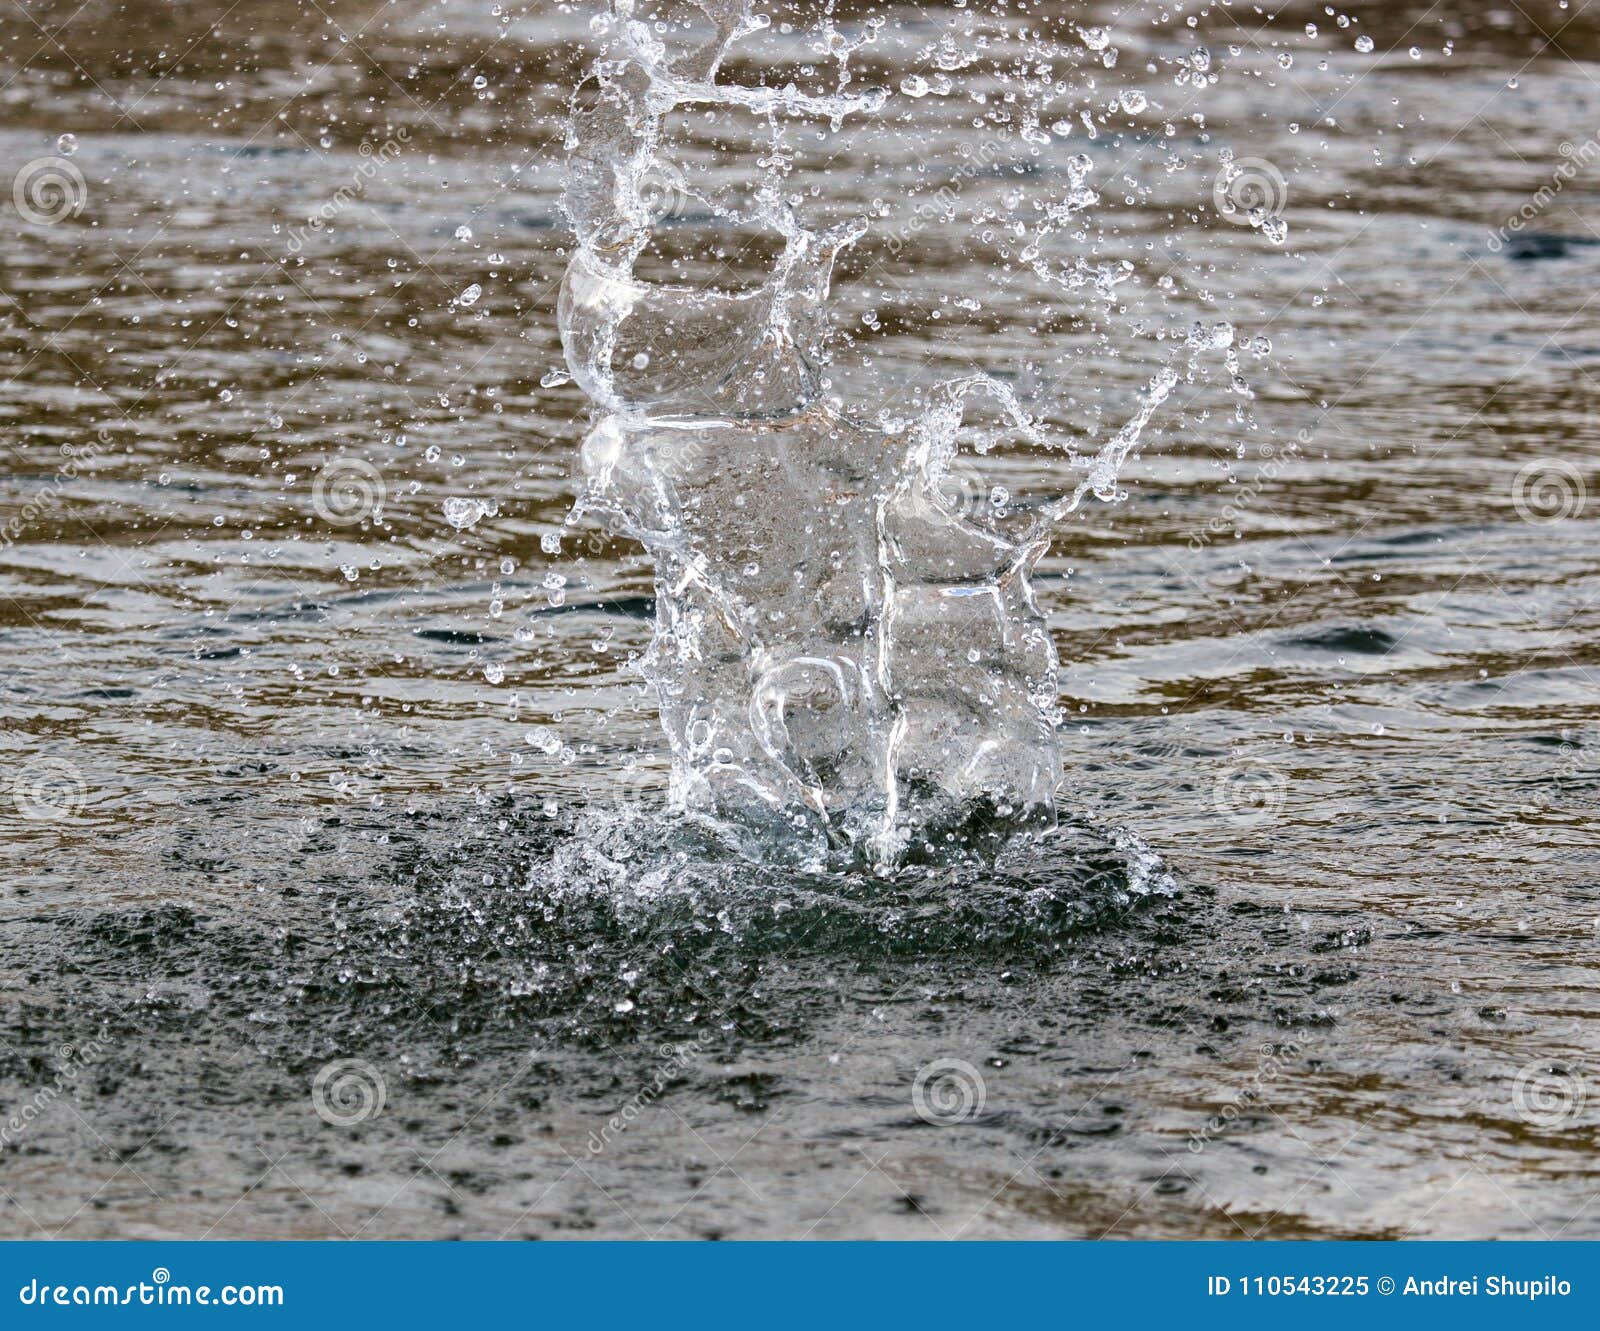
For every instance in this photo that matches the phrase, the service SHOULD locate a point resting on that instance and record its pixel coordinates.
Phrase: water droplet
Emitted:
(545, 740)
(469, 296)
(67, 144)
(462, 513)
(1364, 44)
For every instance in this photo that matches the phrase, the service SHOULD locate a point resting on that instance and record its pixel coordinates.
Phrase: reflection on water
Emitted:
(300, 753)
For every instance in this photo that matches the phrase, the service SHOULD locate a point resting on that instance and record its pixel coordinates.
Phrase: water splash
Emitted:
(849, 660)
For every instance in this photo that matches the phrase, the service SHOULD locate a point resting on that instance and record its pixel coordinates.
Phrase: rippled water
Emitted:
(299, 772)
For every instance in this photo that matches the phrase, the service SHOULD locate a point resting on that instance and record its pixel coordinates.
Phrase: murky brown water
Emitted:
(271, 801)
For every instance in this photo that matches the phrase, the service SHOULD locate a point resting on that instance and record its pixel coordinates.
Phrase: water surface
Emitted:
(297, 772)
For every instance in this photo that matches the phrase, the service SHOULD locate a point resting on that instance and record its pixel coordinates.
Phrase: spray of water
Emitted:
(849, 659)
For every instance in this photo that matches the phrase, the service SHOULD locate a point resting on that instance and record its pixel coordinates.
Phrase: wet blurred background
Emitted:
(300, 718)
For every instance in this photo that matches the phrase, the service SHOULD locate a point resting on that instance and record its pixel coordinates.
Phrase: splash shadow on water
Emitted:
(610, 931)
(619, 926)
(513, 979)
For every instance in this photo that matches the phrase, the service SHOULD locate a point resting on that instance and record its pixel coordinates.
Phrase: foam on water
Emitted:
(850, 662)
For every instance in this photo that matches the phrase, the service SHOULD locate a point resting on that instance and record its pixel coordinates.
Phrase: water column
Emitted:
(848, 664)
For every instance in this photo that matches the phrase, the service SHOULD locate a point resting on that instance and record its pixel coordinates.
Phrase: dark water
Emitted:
(271, 802)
